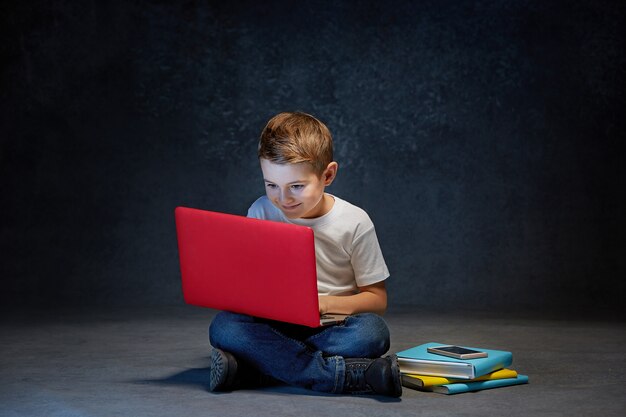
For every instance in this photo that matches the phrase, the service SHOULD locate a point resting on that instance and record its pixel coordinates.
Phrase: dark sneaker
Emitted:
(223, 371)
(373, 376)
(229, 373)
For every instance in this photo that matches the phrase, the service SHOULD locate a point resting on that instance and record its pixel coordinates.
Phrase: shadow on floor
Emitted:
(196, 377)
(199, 379)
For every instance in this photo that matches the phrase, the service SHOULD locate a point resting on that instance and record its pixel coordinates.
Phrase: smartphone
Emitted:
(457, 352)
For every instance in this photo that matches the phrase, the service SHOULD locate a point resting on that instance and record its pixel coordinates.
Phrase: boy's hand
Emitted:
(323, 302)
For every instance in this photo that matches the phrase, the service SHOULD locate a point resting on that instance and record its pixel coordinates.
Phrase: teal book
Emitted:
(459, 387)
(417, 360)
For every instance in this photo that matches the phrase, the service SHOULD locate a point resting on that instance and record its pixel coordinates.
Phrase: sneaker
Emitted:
(373, 376)
(223, 371)
(229, 373)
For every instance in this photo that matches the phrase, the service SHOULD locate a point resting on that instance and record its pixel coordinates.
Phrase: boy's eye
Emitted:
(297, 187)
(272, 186)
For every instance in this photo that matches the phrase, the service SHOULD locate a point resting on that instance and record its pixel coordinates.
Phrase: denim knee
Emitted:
(226, 329)
(372, 335)
(362, 335)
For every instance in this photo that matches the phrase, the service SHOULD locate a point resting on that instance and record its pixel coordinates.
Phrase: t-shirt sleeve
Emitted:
(253, 212)
(367, 259)
(256, 210)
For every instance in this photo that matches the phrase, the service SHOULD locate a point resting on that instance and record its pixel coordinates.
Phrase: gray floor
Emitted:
(154, 362)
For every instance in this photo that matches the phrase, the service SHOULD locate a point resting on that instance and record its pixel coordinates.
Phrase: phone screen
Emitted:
(456, 349)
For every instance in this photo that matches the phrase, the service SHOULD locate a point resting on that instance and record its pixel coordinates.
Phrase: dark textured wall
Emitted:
(481, 136)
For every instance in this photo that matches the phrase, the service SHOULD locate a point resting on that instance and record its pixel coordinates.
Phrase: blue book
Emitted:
(417, 360)
(459, 387)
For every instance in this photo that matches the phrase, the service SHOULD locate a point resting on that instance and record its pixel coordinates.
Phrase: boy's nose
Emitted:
(285, 195)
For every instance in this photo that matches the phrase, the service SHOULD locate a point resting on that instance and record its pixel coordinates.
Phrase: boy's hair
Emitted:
(294, 137)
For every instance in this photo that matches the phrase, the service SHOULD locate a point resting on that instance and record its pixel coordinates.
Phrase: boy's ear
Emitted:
(330, 173)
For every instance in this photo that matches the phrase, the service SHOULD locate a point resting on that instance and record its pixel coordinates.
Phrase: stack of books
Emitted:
(427, 371)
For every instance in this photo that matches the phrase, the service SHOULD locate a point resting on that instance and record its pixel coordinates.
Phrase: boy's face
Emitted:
(296, 189)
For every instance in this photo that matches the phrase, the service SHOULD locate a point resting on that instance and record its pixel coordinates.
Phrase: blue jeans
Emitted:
(297, 355)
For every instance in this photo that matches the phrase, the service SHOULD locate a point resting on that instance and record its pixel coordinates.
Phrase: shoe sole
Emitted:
(223, 370)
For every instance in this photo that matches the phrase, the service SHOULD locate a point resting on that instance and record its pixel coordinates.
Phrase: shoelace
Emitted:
(355, 377)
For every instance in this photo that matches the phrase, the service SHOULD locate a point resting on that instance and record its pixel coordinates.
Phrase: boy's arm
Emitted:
(370, 299)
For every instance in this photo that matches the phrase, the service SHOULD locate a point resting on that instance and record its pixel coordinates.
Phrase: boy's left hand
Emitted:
(323, 303)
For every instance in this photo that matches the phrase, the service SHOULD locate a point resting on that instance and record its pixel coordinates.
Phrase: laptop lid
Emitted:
(256, 267)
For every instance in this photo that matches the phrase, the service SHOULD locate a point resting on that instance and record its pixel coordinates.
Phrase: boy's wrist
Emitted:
(323, 301)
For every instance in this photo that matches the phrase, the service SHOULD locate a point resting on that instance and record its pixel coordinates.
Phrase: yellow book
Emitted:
(422, 381)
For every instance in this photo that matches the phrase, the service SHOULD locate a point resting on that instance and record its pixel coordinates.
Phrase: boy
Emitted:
(296, 156)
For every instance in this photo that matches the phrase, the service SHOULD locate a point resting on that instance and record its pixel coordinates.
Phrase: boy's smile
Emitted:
(296, 189)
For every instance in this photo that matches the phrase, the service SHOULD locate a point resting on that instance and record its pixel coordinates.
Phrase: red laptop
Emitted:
(256, 267)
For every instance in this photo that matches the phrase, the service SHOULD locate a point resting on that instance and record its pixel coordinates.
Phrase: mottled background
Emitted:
(481, 136)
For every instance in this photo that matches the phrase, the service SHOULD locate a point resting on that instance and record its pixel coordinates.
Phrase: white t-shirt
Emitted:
(346, 247)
